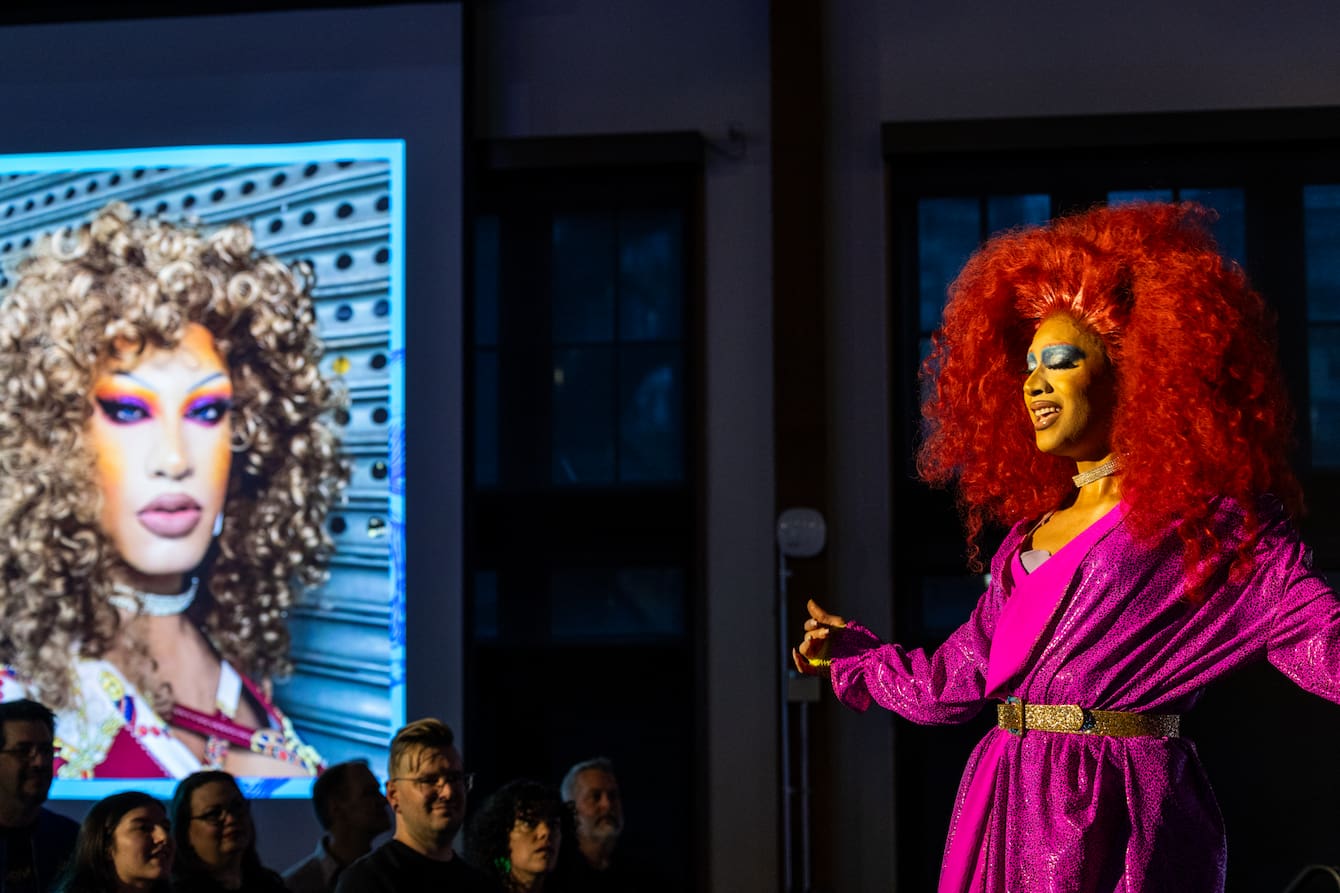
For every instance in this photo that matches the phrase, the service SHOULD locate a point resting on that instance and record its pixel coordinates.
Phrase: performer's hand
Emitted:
(814, 647)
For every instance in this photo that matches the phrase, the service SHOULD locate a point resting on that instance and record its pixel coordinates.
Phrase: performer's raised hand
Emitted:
(812, 655)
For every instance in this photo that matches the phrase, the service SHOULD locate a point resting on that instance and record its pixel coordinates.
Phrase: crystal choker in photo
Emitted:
(153, 604)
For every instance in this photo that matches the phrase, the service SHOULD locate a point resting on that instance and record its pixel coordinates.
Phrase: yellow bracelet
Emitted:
(820, 662)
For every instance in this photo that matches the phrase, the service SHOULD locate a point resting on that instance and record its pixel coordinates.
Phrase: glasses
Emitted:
(436, 780)
(218, 815)
(44, 749)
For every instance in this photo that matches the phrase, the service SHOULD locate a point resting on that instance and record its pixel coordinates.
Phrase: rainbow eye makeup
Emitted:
(123, 409)
(1057, 356)
(133, 404)
(209, 409)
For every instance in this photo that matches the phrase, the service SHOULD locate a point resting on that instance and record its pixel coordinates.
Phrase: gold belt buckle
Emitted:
(1016, 717)
(1010, 715)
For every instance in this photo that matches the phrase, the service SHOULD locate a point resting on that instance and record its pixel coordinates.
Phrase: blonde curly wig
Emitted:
(82, 297)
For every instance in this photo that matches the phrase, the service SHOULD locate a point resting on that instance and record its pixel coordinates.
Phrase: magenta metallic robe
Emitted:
(1052, 812)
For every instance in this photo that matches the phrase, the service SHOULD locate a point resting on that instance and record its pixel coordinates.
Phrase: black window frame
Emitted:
(526, 528)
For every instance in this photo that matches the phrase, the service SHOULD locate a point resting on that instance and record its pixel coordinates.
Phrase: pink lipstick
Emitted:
(171, 516)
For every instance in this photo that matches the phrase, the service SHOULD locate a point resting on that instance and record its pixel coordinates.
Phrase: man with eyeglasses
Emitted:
(427, 788)
(34, 842)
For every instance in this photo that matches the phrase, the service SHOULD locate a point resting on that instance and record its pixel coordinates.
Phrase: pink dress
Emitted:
(1106, 624)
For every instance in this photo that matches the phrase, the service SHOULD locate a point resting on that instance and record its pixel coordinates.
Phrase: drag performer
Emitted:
(167, 476)
(1107, 384)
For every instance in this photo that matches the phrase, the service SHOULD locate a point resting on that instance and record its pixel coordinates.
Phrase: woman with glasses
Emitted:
(216, 840)
(124, 845)
(516, 835)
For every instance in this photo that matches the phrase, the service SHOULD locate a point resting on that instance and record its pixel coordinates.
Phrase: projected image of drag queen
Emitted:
(1108, 385)
(166, 480)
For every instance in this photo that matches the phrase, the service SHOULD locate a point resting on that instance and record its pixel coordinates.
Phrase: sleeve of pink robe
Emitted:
(939, 688)
(1303, 641)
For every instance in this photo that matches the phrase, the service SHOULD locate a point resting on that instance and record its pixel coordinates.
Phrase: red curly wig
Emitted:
(1201, 407)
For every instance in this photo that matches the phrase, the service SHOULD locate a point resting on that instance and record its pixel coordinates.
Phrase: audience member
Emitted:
(124, 844)
(593, 791)
(352, 811)
(216, 840)
(34, 842)
(427, 790)
(592, 866)
(516, 835)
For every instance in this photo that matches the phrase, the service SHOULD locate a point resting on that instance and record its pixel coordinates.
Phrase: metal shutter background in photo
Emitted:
(337, 217)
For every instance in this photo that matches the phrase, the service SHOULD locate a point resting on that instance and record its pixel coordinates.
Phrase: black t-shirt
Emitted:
(254, 880)
(393, 867)
(575, 875)
(31, 858)
(20, 874)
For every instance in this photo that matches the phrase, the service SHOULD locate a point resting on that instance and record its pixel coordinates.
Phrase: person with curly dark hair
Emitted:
(516, 836)
(168, 475)
(1107, 385)
(216, 839)
(125, 844)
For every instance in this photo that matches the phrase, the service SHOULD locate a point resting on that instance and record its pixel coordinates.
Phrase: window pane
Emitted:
(651, 276)
(486, 418)
(651, 414)
(1009, 211)
(1323, 343)
(486, 280)
(626, 603)
(486, 605)
(1230, 230)
(583, 407)
(583, 259)
(948, 231)
(1127, 196)
(1321, 240)
(947, 601)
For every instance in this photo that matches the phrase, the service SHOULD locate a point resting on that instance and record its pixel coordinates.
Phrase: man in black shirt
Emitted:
(427, 790)
(34, 843)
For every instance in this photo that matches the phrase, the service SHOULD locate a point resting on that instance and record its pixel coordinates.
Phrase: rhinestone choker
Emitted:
(153, 604)
(1098, 472)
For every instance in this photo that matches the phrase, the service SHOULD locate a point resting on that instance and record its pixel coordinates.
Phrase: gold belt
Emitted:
(1016, 717)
